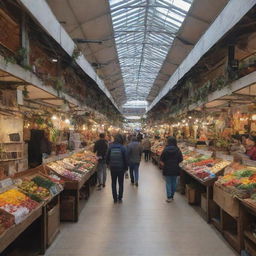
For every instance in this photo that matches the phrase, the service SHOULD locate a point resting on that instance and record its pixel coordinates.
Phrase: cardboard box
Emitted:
(226, 201)
(204, 202)
(192, 195)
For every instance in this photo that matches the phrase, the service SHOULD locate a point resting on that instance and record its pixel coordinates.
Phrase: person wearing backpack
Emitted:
(117, 161)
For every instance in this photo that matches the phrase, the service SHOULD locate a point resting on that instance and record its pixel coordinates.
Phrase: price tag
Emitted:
(6, 182)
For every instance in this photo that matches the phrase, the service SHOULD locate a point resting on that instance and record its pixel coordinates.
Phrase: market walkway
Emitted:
(144, 225)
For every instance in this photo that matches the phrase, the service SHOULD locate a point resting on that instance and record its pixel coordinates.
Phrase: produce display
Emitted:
(244, 179)
(86, 156)
(202, 166)
(76, 166)
(59, 169)
(158, 148)
(17, 204)
(6, 221)
(34, 191)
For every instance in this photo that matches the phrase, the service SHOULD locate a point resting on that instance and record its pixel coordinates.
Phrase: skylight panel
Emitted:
(142, 45)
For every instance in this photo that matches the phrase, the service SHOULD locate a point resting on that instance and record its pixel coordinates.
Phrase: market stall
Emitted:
(46, 190)
(156, 150)
(234, 194)
(78, 174)
(199, 172)
(18, 212)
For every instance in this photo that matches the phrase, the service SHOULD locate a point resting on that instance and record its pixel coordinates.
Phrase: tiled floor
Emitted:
(144, 225)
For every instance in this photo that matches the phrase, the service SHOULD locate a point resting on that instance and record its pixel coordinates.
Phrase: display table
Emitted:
(205, 187)
(50, 209)
(73, 193)
(11, 234)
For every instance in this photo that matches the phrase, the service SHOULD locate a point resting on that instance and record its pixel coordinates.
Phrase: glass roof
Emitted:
(144, 31)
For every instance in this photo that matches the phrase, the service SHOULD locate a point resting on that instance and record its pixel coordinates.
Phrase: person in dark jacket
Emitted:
(134, 150)
(100, 148)
(117, 161)
(170, 158)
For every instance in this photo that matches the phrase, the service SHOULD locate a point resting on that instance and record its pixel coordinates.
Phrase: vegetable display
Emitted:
(76, 166)
(202, 166)
(32, 189)
(6, 221)
(17, 204)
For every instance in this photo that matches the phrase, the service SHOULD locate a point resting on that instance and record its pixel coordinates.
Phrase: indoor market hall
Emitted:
(144, 224)
(127, 127)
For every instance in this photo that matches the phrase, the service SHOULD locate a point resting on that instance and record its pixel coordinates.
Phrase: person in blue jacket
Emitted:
(170, 159)
(117, 162)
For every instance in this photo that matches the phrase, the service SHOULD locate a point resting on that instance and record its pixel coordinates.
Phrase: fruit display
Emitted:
(17, 204)
(76, 166)
(157, 148)
(196, 158)
(85, 156)
(241, 183)
(34, 191)
(219, 166)
(64, 172)
(6, 221)
(202, 166)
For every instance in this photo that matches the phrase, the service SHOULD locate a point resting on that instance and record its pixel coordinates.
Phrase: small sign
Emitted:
(6, 183)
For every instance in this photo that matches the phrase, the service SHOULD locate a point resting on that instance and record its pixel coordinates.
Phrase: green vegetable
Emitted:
(247, 186)
(34, 197)
(42, 182)
(244, 173)
(253, 196)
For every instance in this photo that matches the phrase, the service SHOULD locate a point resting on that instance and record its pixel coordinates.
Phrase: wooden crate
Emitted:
(226, 201)
(192, 195)
(67, 208)
(250, 247)
(53, 223)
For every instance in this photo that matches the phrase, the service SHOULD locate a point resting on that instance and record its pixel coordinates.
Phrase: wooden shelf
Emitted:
(250, 236)
(11, 159)
(217, 223)
(12, 142)
(232, 238)
(11, 234)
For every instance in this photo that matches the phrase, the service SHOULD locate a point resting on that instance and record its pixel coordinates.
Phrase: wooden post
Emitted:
(43, 230)
(24, 37)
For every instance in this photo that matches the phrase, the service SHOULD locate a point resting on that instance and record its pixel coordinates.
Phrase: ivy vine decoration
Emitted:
(58, 84)
(39, 120)
(54, 134)
(21, 55)
(25, 92)
(9, 59)
(75, 54)
(27, 67)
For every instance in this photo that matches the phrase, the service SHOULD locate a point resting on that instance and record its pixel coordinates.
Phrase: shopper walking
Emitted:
(170, 158)
(117, 161)
(146, 148)
(100, 148)
(134, 156)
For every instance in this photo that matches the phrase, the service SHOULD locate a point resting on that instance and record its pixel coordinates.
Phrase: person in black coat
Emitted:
(170, 159)
(101, 148)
